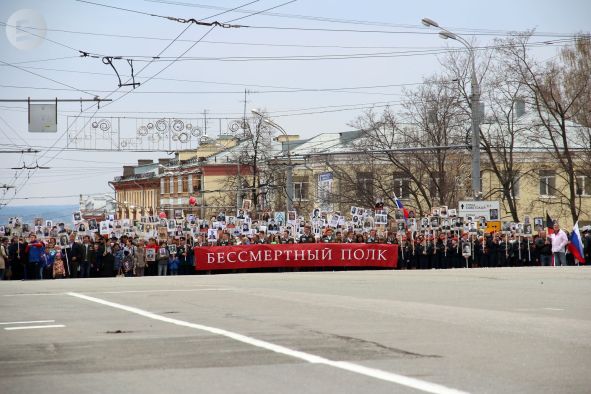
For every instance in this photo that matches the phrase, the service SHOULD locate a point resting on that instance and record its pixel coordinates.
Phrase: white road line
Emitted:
(553, 309)
(311, 358)
(33, 327)
(27, 322)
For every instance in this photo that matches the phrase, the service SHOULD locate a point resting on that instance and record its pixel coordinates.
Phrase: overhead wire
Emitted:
(311, 90)
(19, 188)
(568, 38)
(44, 77)
(52, 197)
(227, 42)
(261, 11)
(120, 97)
(173, 61)
(44, 60)
(474, 32)
(344, 56)
(247, 85)
(340, 20)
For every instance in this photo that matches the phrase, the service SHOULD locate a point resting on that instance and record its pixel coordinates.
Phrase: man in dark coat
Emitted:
(73, 252)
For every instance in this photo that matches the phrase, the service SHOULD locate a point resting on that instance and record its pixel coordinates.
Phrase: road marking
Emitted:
(554, 309)
(33, 327)
(311, 358)
(27, 322)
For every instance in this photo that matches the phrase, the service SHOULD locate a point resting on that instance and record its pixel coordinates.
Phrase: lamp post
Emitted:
(289, 172)
(475, 104)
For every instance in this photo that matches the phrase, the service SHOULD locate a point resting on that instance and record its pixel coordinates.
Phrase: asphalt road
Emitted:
(509, 330)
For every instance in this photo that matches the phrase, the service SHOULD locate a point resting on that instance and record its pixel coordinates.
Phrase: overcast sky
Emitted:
(217, 70)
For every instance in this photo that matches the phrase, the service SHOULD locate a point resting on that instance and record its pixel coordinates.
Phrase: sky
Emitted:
(311, 65)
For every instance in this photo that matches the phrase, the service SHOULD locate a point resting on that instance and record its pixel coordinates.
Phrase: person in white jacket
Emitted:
(559, 242)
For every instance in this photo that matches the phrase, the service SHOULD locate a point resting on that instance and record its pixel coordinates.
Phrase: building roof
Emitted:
(529, 125)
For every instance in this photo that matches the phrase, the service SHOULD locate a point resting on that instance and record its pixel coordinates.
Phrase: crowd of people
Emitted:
(108, 256)
(31, 258)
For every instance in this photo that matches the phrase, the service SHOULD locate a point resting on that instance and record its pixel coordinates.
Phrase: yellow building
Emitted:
(330, 174)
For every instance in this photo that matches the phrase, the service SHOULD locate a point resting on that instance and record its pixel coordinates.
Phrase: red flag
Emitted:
(549, 224)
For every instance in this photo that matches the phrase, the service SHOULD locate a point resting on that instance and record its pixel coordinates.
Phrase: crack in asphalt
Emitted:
(376, 344)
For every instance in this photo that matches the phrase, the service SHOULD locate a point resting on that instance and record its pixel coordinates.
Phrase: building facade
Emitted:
(330, 172)
(193, 183)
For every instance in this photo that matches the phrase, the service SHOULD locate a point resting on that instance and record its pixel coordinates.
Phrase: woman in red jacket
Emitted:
(151, 253)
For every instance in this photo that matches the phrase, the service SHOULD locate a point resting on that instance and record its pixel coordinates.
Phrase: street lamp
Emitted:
(289, 172)
(475, 104)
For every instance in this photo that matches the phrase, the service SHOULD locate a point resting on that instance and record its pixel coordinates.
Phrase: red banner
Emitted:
(295, 255)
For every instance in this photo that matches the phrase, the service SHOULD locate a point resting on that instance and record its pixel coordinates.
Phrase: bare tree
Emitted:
(381, 143)
(433, 170)
(436, 122)
(577, 69)
(258, 175)
(358, 185)
(503, 136)
(556, 91)
(576, 60)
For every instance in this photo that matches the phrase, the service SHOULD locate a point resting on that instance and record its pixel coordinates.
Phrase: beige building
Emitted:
(328, 173)
(170, 185)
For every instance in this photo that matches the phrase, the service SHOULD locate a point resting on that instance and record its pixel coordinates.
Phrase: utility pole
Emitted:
(474, 104)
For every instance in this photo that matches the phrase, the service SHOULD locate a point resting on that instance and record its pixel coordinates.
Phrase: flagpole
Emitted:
(528, 251)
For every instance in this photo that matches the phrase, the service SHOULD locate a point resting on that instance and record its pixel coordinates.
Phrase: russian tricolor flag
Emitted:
(576, 245)
(399, 205)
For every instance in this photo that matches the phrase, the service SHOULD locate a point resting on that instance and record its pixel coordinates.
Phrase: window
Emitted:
(301, 188)
(435, 184)
(179, 184)
(583, 185)
(513, 183)
(365, 183)
(401, 185)
(162, 182)
(547, 183)
(171, 183)
(196, 185)
(166, 186)
(185, 184)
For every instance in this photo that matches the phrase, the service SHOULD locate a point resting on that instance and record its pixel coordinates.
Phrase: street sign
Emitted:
(42, 118)
(493, 227)
(489, 209)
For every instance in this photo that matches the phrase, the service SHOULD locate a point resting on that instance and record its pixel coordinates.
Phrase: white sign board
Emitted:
(489, 209)
(42, 118)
